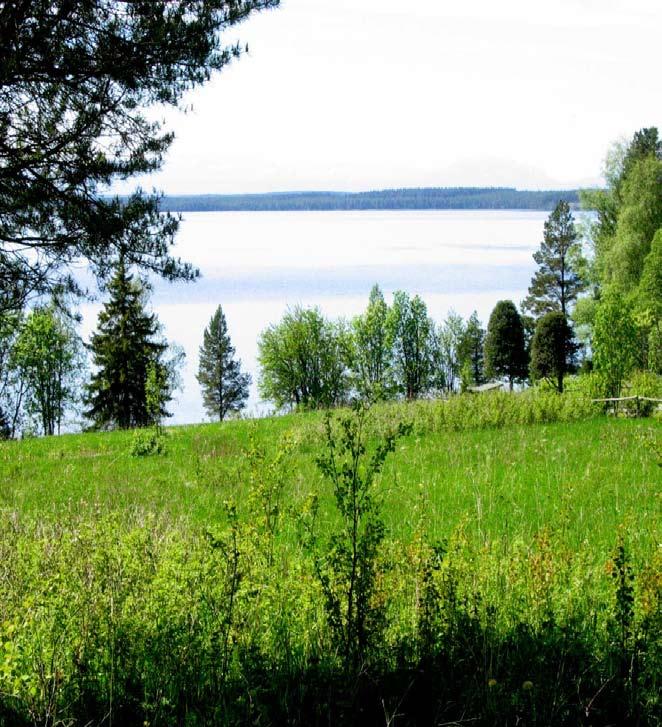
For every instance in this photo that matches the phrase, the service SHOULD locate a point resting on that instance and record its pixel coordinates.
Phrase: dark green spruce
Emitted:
(505, 349)
(553, 349)
(125, 347)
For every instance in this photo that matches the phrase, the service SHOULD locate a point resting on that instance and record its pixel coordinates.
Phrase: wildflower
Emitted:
(527, 686)
(492, 683)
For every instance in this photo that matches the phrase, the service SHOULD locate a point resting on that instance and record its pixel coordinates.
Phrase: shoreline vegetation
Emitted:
(425, 198)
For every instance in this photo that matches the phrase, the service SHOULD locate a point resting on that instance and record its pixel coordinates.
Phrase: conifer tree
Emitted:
(555, 285)
(124, 348)
(224, 387)
(553, 349)
(505, 350)
(471, 350)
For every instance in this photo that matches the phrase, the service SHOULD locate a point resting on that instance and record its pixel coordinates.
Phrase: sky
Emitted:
(355, 95)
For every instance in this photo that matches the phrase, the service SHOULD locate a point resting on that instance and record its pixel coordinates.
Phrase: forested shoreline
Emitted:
(439, 198)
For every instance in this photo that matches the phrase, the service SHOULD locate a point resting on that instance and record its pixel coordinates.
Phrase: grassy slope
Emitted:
(583, 478)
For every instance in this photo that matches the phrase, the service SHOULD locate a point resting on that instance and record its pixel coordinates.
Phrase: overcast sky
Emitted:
(366, 94)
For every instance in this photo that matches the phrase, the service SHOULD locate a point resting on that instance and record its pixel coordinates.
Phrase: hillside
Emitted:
(507, 566)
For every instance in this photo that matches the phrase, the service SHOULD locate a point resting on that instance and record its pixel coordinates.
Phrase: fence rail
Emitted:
(638, 400)
(627, 398)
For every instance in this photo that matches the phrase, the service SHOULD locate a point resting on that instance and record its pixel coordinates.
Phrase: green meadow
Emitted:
(518, 569)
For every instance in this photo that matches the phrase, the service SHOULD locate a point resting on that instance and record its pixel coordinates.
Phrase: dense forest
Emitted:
(425, 198)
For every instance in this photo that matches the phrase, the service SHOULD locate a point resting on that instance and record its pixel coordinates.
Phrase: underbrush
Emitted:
(148, 623)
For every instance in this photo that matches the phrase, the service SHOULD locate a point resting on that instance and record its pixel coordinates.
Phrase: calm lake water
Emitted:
(256, 264)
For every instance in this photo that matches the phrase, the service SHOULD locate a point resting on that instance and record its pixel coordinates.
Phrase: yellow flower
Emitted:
(527, 686)
(492, 683)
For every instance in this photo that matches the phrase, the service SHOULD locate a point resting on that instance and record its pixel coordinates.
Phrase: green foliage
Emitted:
(372, 349)
(348, 568)
(553, 349)
(639, 218)
(649, 304)
(12, 385)
(449, 338)
(505, 351)
(146, 442)
(304, 360)
(555, 285)
(49, 356)
(75, 80)
(410, 335)
(626, 255)
(135, 591)
(224, 387)
(614, 341)
(126, 351)
(471, 352)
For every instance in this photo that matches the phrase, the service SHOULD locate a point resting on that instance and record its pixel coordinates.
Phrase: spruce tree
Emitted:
(471, 350)
(555, 285)
(553, 349)
(505, 350)
(125, 347)
(224, 387)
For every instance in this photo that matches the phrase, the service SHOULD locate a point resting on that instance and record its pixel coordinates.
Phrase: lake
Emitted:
(256, 264)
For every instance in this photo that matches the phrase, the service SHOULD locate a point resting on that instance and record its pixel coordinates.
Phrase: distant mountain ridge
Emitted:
(426, 198)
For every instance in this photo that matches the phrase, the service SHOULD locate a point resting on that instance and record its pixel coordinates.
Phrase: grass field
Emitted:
(512, 554)
(586, 478)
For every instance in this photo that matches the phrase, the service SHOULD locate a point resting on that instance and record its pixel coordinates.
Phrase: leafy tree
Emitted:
(410, 334)
(48, 355)
(224, 387)
(372, 350)
(304, 360)
(555, 285)
(75, 79)
(649, 302)
(505, 352)
(553, 349)
(471, 350)
(448, 342)
(630, 202)
(629, 219)
(125, 347)
(639, 218)
(614, 341)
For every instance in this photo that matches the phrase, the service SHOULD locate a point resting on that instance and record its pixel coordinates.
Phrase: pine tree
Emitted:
(124, 349)
(505, 351)
(224, 387)
(555, 285)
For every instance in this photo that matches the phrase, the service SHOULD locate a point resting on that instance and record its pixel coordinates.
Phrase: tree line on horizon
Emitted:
(425, 198)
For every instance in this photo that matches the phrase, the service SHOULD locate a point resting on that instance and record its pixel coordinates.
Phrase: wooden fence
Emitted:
(636, 399)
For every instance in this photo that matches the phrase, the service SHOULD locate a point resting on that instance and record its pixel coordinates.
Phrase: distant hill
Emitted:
(428, 198)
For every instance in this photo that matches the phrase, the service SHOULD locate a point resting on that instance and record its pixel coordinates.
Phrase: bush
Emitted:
(146, 442)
